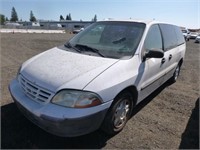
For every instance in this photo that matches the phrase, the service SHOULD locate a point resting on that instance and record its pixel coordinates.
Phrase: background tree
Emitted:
(14, 16)
(2, 19)
(67, 17)
(70, 18)
(7, 19)
(95, 18)
(32, 17)
(61, 18)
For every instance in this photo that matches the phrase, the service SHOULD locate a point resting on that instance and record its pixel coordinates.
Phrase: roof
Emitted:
(128, 20)
(137, 20)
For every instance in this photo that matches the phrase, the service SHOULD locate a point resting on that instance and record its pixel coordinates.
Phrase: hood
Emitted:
(56, 69)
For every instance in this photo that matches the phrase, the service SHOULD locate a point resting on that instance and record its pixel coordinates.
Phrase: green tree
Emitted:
(67, 17)
(32, 17)
(95, 18)
(70, 18)
(2, 19)
(14, 16)
(7, 19)
(61, 17)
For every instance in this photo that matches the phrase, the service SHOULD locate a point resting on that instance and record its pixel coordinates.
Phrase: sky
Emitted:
(184, 13)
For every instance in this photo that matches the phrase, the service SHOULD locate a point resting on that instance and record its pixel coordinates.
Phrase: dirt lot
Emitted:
(167, 119)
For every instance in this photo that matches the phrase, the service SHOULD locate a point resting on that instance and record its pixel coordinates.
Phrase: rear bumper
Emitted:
(58, 120)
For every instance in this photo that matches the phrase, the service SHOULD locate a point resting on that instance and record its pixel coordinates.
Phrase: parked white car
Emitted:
(193, 35)
(76, 31)
(197, 40)
(186, 34)
(97, 78)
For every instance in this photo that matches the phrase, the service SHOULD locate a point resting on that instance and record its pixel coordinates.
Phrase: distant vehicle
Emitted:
(193, 35)
(77, 30)
(96, 79)
(186, 34)
(35, 24)
(12, 24)
(59, 25)
(56, 25)
(197, 40)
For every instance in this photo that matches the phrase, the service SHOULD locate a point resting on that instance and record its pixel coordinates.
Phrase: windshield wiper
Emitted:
(68, 45)
(88, 48)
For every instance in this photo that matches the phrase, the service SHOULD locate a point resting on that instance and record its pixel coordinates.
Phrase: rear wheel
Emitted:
(176, 73)
(118, 114)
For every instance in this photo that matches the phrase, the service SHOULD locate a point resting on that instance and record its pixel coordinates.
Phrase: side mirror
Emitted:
(154, 53)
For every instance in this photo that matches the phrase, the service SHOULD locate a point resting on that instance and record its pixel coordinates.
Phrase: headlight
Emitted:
(76, 99)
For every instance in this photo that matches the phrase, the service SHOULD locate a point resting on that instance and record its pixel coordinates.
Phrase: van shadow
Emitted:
(190, 137)
(18, 132)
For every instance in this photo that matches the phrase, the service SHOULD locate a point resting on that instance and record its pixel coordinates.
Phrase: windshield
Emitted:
(112, 39)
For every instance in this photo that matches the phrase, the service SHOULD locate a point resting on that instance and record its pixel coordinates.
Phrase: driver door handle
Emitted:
(163, 61)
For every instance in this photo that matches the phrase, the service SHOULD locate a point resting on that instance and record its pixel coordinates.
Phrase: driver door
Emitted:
(154, 70)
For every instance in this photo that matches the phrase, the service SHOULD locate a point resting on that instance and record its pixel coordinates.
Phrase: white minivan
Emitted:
(96, 78)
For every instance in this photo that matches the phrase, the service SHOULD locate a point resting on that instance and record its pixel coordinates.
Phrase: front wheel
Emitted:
(118, 114)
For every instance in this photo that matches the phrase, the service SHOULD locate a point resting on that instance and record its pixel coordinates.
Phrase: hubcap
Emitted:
(121, 111)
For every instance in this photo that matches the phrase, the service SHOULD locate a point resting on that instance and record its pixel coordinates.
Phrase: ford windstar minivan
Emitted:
(96, 78)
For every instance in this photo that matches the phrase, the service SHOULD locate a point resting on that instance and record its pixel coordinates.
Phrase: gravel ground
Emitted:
(167, 119)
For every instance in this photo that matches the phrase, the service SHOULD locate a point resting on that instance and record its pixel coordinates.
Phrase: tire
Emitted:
(176, 74)
(118, 114)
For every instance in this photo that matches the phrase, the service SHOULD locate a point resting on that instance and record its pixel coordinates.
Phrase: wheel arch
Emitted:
(132, 90)
(180, 62)
(107, 125)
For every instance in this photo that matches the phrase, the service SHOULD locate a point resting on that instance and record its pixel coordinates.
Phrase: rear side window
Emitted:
(153, 39)
(169, 36)
(179, 34)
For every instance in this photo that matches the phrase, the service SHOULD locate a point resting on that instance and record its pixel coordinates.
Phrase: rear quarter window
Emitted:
(179, 34)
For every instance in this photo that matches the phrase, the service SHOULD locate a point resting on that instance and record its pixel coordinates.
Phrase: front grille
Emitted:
(33, 91)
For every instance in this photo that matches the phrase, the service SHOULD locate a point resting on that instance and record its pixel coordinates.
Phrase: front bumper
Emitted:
(58, 120)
